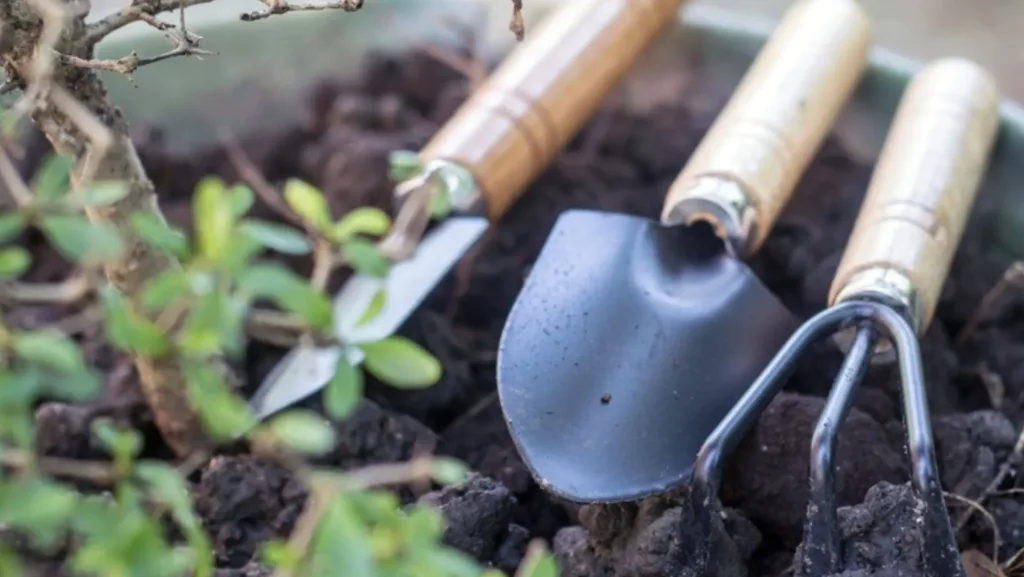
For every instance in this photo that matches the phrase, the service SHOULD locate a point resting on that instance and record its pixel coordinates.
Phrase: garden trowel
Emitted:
(481, 161)
(631, 338)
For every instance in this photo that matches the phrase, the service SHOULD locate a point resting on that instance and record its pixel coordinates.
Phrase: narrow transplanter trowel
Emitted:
(483, 159)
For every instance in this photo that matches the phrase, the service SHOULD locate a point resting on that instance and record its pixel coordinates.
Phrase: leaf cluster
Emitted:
(145, 524)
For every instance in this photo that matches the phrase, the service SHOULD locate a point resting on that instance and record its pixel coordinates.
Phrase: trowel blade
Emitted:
(306, 370)
(629, 342)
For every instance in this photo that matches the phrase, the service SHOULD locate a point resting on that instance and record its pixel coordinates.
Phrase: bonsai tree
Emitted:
(179, 306)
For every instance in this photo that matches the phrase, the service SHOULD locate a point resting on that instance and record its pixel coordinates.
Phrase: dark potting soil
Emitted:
(621, 161)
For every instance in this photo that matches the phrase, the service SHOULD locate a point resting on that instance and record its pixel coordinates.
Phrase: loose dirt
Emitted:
(621, 161)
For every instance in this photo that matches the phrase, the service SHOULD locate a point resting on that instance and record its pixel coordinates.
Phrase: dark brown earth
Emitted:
(621, 162)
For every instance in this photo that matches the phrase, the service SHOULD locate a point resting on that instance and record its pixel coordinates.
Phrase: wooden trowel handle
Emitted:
(746, 167)
(536, 100)
(925, 181)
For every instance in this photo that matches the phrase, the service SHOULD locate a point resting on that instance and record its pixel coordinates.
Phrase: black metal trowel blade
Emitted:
(627, 345)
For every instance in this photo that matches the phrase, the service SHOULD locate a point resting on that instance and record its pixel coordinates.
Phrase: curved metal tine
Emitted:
(821, 548)
(707, 470)
(941, 556)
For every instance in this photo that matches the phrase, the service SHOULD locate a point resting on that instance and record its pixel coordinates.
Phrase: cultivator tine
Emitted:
(707, 471)
(822, 546)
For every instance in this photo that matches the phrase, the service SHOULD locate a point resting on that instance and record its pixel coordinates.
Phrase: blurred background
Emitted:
(988, 31)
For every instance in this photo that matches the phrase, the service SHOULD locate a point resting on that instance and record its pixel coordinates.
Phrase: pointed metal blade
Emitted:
(305, 370)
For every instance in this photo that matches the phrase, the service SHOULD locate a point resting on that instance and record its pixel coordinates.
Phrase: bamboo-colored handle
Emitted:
(925, 181)
(508, 131)
(777, 118)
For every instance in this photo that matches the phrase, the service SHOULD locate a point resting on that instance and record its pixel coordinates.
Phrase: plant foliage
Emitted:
(121, 525)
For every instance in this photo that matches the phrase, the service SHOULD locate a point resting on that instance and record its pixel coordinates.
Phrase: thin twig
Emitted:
(70, 291)
(252, 176)
(19, 191)
(96, 472)
(184, 43)
(1013, 275)
(516, 23)
(1004, 471)
(140, 10)
(278, 329)
(282, 7)
(976, 506)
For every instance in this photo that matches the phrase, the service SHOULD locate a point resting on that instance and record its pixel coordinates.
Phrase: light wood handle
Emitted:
(777, 118)
(508, 131)
(925, 181)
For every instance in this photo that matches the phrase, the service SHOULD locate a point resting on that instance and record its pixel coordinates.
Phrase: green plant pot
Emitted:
(264, 69)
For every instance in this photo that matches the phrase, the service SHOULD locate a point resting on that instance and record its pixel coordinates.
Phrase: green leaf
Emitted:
(374, 308)
(20, 387)
(308, 202)
(538, 563)
(290, 292)
(83, 385)
(169, 487)
(11, 225)
(447, 562)
(365, 258)
(213, 323)
(213, 218)
(10, 563)
(52, 180)
(165, 288)
(403, 165)
(440, 205)
(344, 390)
(123, 444)
(278, 555)
(423, 524)
(156, 232)
(244, 249)
(130, 331)
(447, 471)
(364, 220)
(401, 363)
(39, 507)
(104, 193)
(223, 413)
(341, 545)
(82, 241)
(303, 431)
(14, 261)
(241, 198)
(278, 237)
(51, 349)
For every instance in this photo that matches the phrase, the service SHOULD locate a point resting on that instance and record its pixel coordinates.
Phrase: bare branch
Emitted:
(139, 11)
(252, 176)
(68, 292)
(12, 180)
(96, 472)
(516, 24)
(185, 44)
(282, 7)
(128, 64)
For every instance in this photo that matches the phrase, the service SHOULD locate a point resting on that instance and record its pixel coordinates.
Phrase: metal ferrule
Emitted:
(445, 177)
(887, 286)
(414, 197)
(723, 204)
